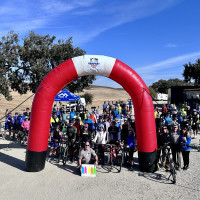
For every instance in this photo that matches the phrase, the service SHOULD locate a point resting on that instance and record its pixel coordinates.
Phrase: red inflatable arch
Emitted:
(83, 66)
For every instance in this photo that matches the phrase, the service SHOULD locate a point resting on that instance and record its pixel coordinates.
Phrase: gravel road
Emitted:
(58, 182)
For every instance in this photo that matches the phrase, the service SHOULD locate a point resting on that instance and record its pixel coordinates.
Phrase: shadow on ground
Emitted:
(69, 168)
(12, 161)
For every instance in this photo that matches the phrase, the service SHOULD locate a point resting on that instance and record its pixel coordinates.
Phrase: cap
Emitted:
(194, 110)
(26, 117)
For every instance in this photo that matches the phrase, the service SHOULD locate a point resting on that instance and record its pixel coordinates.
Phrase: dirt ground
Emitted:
(64, 182)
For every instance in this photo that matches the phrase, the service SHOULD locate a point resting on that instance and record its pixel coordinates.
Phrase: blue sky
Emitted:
(154, 37)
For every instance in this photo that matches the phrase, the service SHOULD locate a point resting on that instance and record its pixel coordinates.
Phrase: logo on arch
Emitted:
(93, 62)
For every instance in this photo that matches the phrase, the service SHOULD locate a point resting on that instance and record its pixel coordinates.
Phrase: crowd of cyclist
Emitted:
(20, 122)
(174, 128)
(115, 125)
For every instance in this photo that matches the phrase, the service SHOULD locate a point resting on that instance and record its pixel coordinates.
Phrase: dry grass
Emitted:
(99, 93)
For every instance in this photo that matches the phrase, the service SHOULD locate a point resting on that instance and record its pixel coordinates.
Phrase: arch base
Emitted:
(147, 161)
(35, 161)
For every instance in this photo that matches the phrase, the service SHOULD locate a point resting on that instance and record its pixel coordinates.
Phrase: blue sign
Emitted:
(66, 95)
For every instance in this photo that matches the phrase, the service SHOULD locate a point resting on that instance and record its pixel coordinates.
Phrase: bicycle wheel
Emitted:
(21, 138)
(173, 172)
(109, 162)
(119, 157)
(58, 154)
(65, 156)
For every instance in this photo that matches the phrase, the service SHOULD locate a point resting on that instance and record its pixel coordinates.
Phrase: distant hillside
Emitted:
(100, 94)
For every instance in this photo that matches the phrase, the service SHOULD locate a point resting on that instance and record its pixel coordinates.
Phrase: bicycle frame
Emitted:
(117, 157)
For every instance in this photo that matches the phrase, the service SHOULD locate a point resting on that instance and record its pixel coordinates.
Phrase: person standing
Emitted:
(175, 146)
(185, 141)
(195, 122)
(166, 141)
(71, 133)
(100, 139)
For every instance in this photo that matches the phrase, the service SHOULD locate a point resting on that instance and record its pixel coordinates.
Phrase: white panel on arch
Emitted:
(93, 65)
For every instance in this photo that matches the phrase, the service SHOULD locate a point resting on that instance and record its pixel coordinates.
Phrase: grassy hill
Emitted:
(99, 93)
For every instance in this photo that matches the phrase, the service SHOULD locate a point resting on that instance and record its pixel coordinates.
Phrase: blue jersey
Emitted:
(20, 119)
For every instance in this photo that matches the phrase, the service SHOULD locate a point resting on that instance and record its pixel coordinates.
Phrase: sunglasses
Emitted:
(87, 145)
(164, 128)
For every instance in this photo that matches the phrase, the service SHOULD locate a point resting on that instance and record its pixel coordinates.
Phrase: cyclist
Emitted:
(86, 154)
(175, 146)
(9, 123)
(159, 141)
(78, 127)
(89, 122)
(16, 126)
(101, 122)
(64, 116)
(71, 133)
(124, 132)
(185, 141)
(104, 106)
(114, 134)
(195, 122)
(131, 145)
(85, 134)
(166, 141)
(55, 139)
(26, 124)
(100, 139)
(168, 121)
(54, 121)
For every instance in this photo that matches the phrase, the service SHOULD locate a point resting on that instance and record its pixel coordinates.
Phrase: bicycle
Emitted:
(171, 164)
(65, 153)
(99, 149)
(114, 158)
(127, 150)
(22, 136)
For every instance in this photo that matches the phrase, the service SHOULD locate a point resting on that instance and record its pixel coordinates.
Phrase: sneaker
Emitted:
(131, 168)
(187, 168)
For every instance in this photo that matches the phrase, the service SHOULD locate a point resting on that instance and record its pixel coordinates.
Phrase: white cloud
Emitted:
(171, 62)
(104, 15)
(170, 68)
(170, 45)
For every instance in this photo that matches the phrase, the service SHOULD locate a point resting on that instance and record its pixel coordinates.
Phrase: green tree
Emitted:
(162, 86)
(9, 54)
(88, 97)
(191, 73)
(152, 92)
(23, 67)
